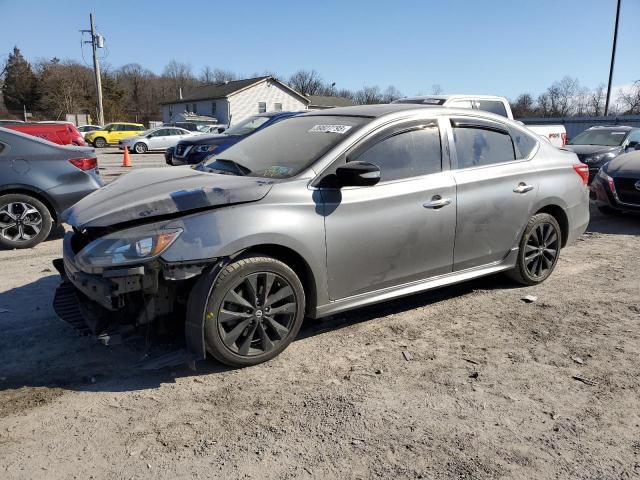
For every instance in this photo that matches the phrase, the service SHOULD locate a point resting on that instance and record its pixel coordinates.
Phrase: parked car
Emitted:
(112, 133)
(155, 139)
(62, 133)
(599, 145)
(325, 212)
(616, 187)
(84, 129)
(194, 150)
(556, 134)
(38, 180)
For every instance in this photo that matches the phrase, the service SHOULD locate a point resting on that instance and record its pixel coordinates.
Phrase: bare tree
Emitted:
(629, 99)
(436, 89)
(178, 76)
(596, 100)
(524, 106)
(368, 95)
(559, 99)
(307, 82)
(206, 75)
(391, 94)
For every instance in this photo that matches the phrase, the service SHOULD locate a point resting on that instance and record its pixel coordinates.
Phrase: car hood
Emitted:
(153, 192)
(626, 163)
(591, 149)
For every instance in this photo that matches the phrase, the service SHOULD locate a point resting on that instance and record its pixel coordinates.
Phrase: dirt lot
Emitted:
(491, 388)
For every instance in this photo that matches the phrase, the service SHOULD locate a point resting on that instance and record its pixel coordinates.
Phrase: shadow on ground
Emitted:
(39, 350)
(43, 351)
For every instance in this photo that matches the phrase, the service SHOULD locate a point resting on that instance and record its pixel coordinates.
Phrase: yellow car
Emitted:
(112, 133)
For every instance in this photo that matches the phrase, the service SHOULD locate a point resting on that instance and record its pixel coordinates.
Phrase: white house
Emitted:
(231, 102)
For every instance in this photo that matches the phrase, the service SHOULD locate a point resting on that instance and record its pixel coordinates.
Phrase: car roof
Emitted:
(372, 111)
(278, 114)
(612, 127)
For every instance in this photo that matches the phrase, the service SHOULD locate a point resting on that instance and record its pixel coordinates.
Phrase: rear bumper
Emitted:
(601, 195)
(578, 220)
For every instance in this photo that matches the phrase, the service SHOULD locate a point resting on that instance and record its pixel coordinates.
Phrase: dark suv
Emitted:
(196, 149)
(599, 145)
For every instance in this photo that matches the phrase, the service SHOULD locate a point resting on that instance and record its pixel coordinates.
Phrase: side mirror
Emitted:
(358, 174)
(221, 129)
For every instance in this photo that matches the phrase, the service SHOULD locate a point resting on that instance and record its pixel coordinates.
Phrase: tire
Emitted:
(140, 147)
(99, 142)
(24, 221)
(238, 330)
(538, 251)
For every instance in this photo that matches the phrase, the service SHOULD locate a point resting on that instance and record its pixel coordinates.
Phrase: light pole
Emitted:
(613, 59)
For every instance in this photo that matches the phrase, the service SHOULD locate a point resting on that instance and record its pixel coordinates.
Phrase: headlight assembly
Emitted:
(127, 247)
(205, 148)
(602, 156)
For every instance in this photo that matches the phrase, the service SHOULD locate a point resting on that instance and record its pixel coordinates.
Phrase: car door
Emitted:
(400, 230)
(160, 139)
(497, 186)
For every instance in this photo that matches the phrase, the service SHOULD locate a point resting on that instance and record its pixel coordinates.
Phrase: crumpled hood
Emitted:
(152, 192)
(626, 163)
(591, 149)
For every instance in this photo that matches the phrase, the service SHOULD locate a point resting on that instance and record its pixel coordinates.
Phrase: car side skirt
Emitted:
(404, 290)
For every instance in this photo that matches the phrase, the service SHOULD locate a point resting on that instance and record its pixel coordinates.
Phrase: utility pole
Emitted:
(96, 42)
(613, 59)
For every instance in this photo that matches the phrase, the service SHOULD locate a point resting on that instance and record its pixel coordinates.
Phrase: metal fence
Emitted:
(575, 125)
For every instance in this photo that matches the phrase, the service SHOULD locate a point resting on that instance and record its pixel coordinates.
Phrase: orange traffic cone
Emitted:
(126, 161)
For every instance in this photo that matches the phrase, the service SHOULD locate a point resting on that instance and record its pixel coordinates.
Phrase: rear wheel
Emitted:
(252, 312)
(99, 142)
(24, 221)
(139, 147)
(539, 250)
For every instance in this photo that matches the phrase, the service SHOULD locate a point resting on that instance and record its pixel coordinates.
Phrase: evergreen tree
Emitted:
(20, 85)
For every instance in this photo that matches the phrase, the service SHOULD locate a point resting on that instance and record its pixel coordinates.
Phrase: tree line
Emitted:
(51, 88)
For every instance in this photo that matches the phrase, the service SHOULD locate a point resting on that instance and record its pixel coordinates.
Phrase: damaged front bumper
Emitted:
(120, 303)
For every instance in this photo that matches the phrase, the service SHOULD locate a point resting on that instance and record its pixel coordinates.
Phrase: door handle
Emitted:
(437, 202)
(523, 188)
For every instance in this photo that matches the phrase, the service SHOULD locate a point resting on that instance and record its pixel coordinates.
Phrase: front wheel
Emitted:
(139, 147)
(252, 312)
(539, 250)
(24, 221)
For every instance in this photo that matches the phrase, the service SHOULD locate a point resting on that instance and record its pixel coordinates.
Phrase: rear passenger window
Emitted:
(406, 154)
(477, 146)
(492, 106)
(524, 143)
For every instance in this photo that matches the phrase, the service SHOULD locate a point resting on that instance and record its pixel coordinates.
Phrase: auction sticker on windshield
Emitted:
(342, 129)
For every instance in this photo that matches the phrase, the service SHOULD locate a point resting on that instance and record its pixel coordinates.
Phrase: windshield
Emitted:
(286, 148)
(248, 126)
(609, 138)
(108, 126)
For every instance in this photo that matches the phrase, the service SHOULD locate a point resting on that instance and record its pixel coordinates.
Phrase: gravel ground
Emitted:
(465, 382)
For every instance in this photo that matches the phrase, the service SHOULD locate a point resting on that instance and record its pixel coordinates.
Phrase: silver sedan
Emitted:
(159, 138)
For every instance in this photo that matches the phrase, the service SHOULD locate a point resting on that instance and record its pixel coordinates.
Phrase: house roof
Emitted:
(214, 91)
(329, 101)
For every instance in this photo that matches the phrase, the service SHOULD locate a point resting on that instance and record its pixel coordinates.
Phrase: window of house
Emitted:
(479, 145)
(213, 109)
(262, 107)
(406, 154)
(277, 107)
(187, 108)
(195, 108)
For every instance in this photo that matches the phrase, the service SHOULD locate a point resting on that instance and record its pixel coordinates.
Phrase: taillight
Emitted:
(582, 170)
(564, 139)
(85, 163)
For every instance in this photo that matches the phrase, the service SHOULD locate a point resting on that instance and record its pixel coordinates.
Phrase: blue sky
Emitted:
(499, 47)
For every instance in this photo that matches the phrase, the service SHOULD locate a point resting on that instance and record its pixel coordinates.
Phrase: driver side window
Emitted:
(406, 154)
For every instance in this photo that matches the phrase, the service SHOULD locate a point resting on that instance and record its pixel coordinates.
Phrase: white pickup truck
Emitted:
(556, 134)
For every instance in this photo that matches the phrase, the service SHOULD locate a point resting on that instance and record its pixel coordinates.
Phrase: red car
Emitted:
(62, 133)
